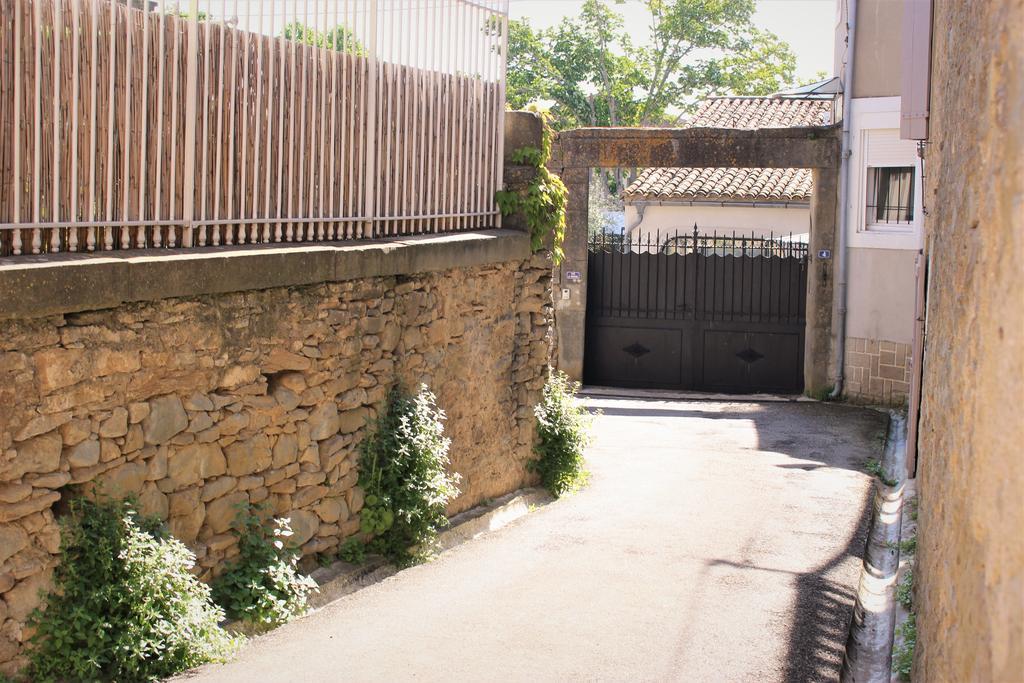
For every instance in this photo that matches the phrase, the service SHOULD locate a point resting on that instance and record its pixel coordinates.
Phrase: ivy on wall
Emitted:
(543, 201)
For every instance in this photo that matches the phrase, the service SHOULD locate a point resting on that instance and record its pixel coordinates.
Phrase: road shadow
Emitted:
(824, 610)
(814, 436)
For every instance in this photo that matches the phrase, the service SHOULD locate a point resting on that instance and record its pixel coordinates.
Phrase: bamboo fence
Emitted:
(142, 124)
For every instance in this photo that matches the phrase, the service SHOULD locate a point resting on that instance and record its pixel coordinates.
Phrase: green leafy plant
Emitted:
(563, 431)
(903, 653)
(353, 551)
(874, 468)
(905, 591)
(907, 547)
(262, 586)
(543, 201)
(124, 606)
(403, 472)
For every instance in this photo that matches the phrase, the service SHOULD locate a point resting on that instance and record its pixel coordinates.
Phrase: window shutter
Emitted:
(917, 48)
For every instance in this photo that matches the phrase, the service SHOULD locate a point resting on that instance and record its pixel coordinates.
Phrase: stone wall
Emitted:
(197, 404)
(970, 589)
(876, 372)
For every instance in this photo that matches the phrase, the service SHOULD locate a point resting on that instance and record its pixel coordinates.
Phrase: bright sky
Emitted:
(807, 25)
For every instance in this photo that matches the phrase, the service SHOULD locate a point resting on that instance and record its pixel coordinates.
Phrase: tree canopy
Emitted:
(598, 75)
(340, 38)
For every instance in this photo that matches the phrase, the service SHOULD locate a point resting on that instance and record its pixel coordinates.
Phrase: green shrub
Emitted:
(353, 551)
(403, 472)
(262, 586)
(905, 591)
(875, 469)
(903, 654)
(563, 430)
(124, 605)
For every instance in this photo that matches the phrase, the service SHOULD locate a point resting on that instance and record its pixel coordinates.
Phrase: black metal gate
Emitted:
(705, 312)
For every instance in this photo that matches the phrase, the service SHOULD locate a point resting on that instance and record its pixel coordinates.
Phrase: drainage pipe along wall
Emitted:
(844, 190)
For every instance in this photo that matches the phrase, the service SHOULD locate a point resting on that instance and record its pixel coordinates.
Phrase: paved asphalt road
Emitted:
(715, 542)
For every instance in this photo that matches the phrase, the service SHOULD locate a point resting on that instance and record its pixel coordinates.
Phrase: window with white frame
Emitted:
(885, 192)
(890, 197)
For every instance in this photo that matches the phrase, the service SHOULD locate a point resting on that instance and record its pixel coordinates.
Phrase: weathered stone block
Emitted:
(186, 523)
(247, 457)
(156, 465)
(109, 450)
(218, 487)
(85, 454)
(239, 375)
(24, 597)
(37, 454)
(133, 440)
(12, 493)
(153, 502)
(137, 412)
(284, 486)
(58, 368)
(286, 450)
(323, 422)
(304, 526)
(166, 418)
(115, 425)
(12, 511)
(280, 359)
(221, 513)
(200, 422)
(124, 479)
(331, 510)
(75, 431)
(251, 481)
(195, 462)
(233, 424)
(41, 425)
(287, 398)
(198, 401)
(12, 539)
(352, 420)
(54, 480)
(308, 495)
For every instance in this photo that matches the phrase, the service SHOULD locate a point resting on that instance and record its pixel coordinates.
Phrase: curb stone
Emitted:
(908, 528)
(868, 656)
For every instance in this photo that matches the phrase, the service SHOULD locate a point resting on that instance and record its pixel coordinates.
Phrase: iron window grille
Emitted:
(890, 199)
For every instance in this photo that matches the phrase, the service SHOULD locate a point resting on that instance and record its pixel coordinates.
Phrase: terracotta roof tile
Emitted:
(751, 113)
(748, 184)
(744, 184)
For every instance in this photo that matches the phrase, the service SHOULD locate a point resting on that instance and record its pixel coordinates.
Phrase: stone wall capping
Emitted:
(53, 284)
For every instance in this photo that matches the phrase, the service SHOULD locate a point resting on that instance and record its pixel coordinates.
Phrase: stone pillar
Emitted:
(522, 129)
(571, 295)
(818, 341)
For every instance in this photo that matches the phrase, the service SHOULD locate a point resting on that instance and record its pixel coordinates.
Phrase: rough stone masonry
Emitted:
(197, 404)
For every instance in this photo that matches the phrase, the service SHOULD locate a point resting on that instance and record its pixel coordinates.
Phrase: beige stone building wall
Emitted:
(970, 588)
(196, 404)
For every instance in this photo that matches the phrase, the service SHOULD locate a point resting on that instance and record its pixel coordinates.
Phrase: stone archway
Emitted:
(575, 152)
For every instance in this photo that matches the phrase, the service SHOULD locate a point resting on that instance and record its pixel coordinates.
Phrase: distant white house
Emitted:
(664, 202)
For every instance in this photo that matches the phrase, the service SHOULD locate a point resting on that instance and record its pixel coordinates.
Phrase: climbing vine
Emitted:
(543, 201)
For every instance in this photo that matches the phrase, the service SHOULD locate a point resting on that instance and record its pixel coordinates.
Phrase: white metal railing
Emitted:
(147, 123)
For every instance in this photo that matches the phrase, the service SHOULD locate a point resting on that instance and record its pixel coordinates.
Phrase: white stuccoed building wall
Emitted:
(660, 221)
